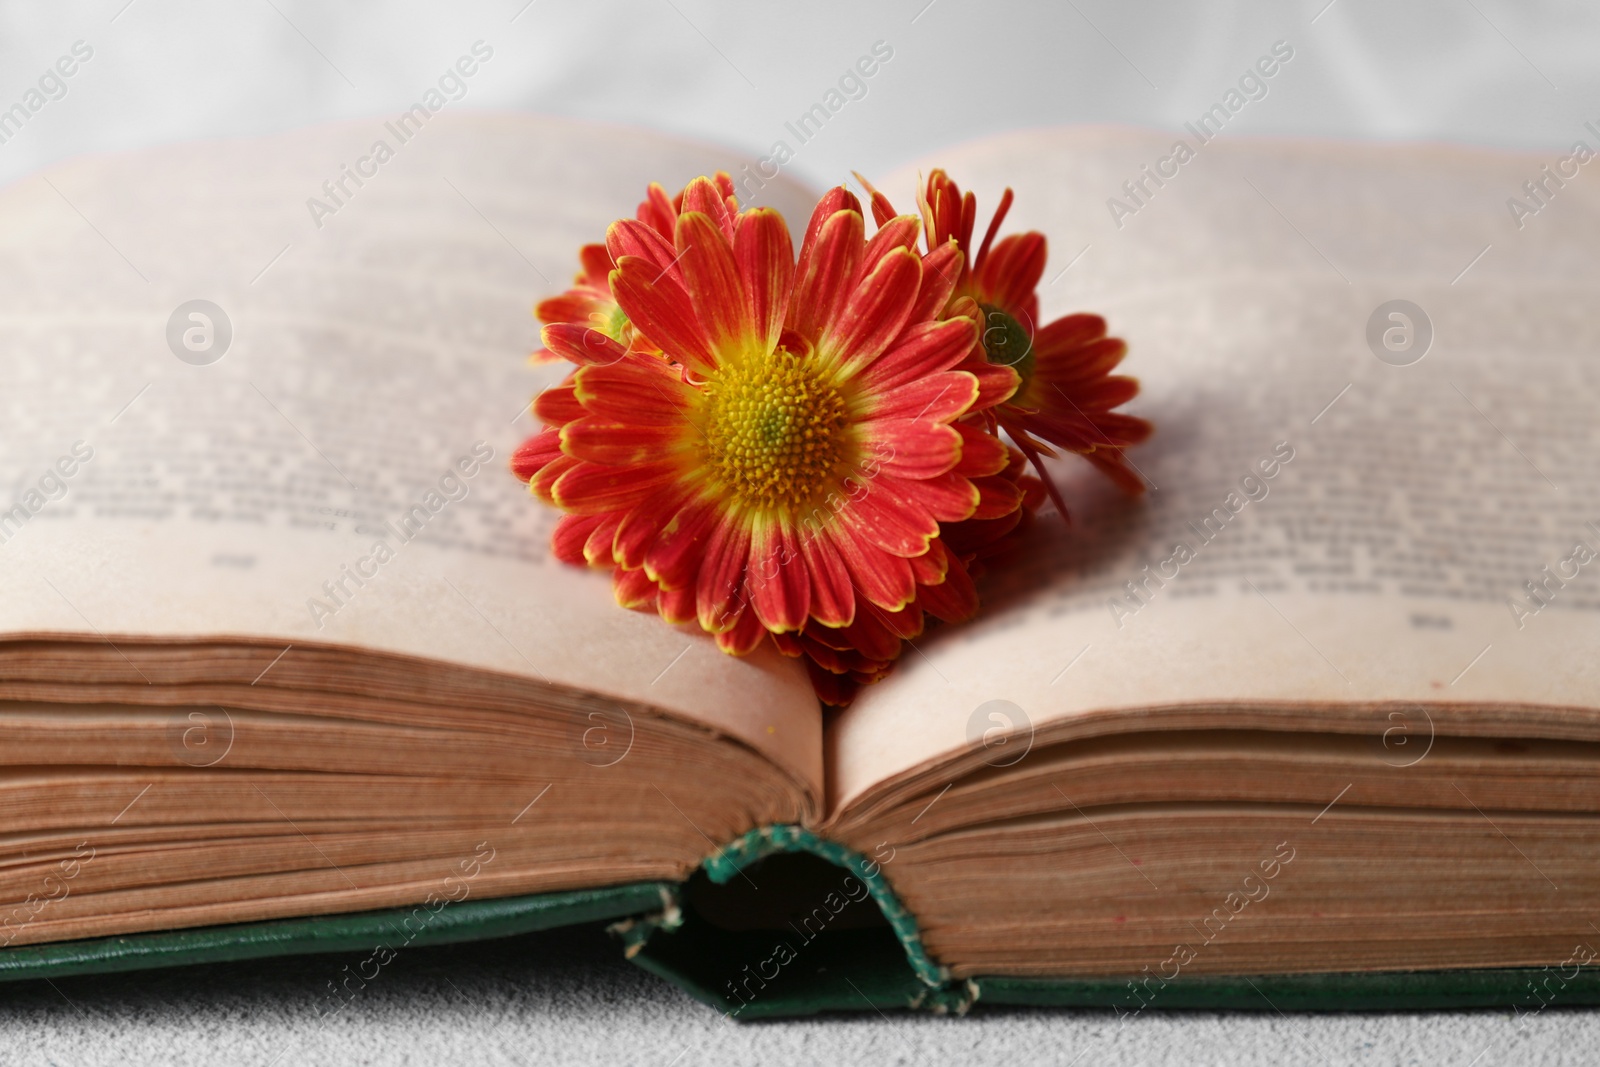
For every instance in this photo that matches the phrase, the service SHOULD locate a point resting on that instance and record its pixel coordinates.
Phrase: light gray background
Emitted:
(1474, 70)
(1483, 71)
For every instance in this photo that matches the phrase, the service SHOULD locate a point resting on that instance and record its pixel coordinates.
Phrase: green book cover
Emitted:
(855, 949)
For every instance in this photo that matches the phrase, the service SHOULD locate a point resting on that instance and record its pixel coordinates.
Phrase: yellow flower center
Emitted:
(776, 431)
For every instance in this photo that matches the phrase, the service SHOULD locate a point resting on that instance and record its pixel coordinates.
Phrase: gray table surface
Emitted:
(1481, 71)
(568, 997)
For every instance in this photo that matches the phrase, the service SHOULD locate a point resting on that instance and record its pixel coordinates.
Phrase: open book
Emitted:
(286, 666)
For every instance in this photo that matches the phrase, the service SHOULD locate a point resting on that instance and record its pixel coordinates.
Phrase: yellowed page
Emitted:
(380, 326)
(1382, 560)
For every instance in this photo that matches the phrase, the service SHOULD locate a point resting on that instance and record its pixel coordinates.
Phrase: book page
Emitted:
(1330, 521)
(317, 452)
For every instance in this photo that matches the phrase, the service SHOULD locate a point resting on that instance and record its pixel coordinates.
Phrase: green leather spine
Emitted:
(769, 840)
(877, 969)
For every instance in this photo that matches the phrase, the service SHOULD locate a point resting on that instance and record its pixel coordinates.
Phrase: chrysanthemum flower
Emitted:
(785, 464)
(811, 453)
(1067, 394)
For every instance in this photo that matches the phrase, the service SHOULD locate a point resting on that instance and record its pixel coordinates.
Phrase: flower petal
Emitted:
(712, 278)
(597, 264)
(641, 525)
(833, 201)
(978, 535)
(834, 689)
(674, 559)
(779, 579)
(953, 600)
(720, 592)
(877, 309)
(544, 479)
(534, 454)
(1083, 422)
(1081, 371)
(597, 548)
(574, 305)
(662, 309)
(791, 645)
(905, 623)
(912, 448)
(1067, 333)
(744, 636)
(1011, 271)
(995, 220)
(996, 383)
(821, 281)
(676, 605)
(899, 232)
(656, 211)
(882, 210)
(626, 237)
(882, 518)
(582, 344)
(922, 348)
(881, 577)
(981, 451)
(703, 197)
(871, 639)
(1124, 430)
(930, 567)
(616, 443)
(997, 497)
(941, 397)
(947, 497)
(941, 270)
(724, 183)
(569, 536)
(833, 598)
(642, 394)
(633, 589)
(591, 488)
(765, 256)
(558, 405)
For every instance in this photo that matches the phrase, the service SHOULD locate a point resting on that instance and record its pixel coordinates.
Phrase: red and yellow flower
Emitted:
(785, 463)
(810, 452)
